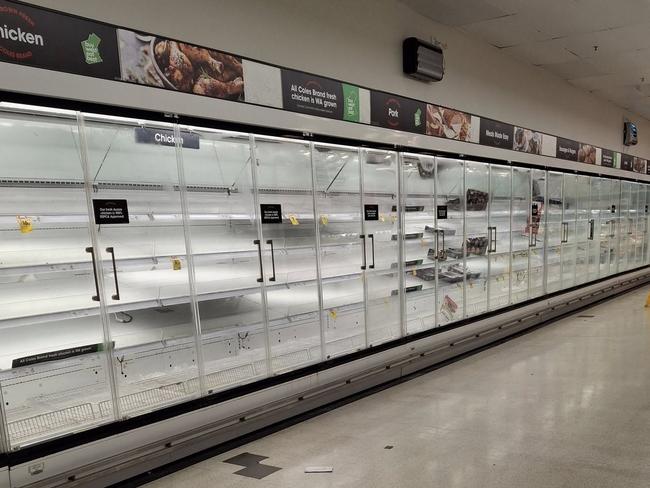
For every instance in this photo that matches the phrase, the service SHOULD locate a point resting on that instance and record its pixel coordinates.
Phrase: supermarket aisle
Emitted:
(565, 406)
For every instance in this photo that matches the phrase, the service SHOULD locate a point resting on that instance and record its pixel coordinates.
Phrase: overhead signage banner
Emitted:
(496, 134)
(567, 149)
(607, 158)
(43, 39)
(399, 113)
(627, 162)
(314, 95)
(47, 39)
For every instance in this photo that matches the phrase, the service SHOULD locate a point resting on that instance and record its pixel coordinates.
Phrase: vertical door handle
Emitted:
(441, 252)
(631, 224)
(532, 241)
(591, 230)
(270, 241)
(111, 251)
(565, 232)
(372, 247)
(365, 263)
(92, 255)
(492, 239)
(259, 256)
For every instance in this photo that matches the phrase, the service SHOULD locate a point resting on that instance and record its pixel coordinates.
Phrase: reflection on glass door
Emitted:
(47, 285)
(144, 262)
(541, 202)
(288, 242)
(420, 254)
(337, 184)
(477, 244)
(380, 239)
(526, 216)
(223, 224)
(450, 209)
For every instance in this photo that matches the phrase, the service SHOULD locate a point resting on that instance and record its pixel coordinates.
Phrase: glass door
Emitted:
(138, 221)
(223, 229)
(644, 201)
(526, 217)
(583, 228)
(337, 185)
(54, 369)
(283, 177)
(596, 213)
(616, 235)
(555, 230)
(477, 211)
(450, 212)
(569, 214)
(381, 246)
(633, 250)
(541, 201)
(420, 255)
(625, 225)
(500, 235)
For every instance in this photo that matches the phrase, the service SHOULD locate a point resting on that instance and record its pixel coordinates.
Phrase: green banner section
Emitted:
(351, 103)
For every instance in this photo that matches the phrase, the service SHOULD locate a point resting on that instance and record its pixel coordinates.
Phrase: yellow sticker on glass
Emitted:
(333, 314)
(25, 224)
(176, 264)
(294, 220)
(324, 220)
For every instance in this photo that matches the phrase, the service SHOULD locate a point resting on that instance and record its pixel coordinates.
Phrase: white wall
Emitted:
(357, 41)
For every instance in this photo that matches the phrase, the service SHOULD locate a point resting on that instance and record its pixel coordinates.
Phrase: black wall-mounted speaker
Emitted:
(630, 136)
(422, 60)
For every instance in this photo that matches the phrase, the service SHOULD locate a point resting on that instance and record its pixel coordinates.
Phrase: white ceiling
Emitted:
(560, 36)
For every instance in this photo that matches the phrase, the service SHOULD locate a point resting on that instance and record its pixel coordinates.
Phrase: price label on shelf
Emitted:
(294, 220)
(324, 220)
(333, 314)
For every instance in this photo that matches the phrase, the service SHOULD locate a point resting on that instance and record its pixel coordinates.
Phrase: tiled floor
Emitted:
(565, 406)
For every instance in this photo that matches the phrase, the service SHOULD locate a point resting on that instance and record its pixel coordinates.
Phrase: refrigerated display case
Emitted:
(145, 264)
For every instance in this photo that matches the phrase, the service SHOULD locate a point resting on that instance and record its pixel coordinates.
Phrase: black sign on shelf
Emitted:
(607, 158)
(46, 39)
(109, 212)
(399, 113)
(496, 134)
(441, 212)
(165, 137)
(567, 149)
(56, 355)
(271, 213)
(371, 212)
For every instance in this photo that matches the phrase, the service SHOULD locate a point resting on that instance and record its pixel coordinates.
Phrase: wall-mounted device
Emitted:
(422, 60)
(630, 137)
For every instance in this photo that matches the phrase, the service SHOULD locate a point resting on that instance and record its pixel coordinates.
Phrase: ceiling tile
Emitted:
(578, 68)
(540, 53)
(505, 31)
(608, 41)
(453, 12)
